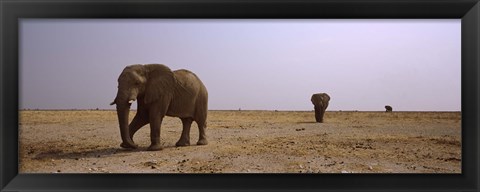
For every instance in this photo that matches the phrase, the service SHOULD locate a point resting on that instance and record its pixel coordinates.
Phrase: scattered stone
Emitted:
(301, 167)
(370, 167)
(92, 169)
(343, 171)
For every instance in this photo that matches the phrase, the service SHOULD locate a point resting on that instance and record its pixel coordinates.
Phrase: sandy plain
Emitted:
(87, 141)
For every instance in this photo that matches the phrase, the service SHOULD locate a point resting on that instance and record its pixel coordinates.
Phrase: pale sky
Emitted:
(412, 65)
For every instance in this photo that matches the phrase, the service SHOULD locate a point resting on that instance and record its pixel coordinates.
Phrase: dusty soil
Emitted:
(246, 142)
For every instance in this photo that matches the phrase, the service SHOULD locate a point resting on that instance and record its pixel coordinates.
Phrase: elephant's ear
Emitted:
(313, 99)
(324, 97)
(161, 82)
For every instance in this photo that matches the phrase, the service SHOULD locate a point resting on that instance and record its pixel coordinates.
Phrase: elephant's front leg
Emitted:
(140, 119)
(185, 137)
(155, 125)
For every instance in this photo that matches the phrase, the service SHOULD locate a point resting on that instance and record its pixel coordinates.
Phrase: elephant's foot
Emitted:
(182, 143)
(155, 147)
(202, 142)
(128, 146)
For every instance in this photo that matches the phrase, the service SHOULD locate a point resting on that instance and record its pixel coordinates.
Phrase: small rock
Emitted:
(301, 167)
(370, 167)
(58, 171)
(343, 171)
(153, 167)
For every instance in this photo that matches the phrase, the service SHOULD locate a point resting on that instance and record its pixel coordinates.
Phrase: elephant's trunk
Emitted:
(123, 110)
(319, 114)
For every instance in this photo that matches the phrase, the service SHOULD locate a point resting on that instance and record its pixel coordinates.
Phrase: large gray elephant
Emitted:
(320, 101)
(160, 91)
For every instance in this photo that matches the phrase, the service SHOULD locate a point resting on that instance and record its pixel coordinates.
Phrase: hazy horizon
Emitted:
(411, 65)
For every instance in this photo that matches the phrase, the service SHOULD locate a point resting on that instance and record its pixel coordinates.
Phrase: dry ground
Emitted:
(246, 142)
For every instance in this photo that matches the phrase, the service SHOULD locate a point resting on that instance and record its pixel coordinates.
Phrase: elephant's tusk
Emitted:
(131, 101)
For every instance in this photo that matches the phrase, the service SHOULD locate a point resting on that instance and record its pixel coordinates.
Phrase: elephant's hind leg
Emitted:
(185, 137)
(202, 140)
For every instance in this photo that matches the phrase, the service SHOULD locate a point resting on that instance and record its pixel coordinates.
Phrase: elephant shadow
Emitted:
(91, 153)
(306, 122)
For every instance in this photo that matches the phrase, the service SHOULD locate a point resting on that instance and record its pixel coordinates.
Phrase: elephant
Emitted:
(388, 108)
(160, 92)
(320, 101)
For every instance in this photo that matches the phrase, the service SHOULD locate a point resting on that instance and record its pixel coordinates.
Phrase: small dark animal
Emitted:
(388, 108)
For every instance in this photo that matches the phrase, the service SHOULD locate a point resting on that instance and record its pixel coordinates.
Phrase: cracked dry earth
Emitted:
(246, 142)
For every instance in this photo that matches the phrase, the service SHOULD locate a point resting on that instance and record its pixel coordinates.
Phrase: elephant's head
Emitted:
(134, 84)
(131, 84)
(320, 100)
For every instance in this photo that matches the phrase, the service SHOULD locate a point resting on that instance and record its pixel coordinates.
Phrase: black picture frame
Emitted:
(466, 10)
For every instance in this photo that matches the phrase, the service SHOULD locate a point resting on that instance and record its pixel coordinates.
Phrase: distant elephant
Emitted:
(388, 108)
(320, 101)
(160, 91)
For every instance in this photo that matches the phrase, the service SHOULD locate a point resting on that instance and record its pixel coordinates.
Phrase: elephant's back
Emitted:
(189, 80)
